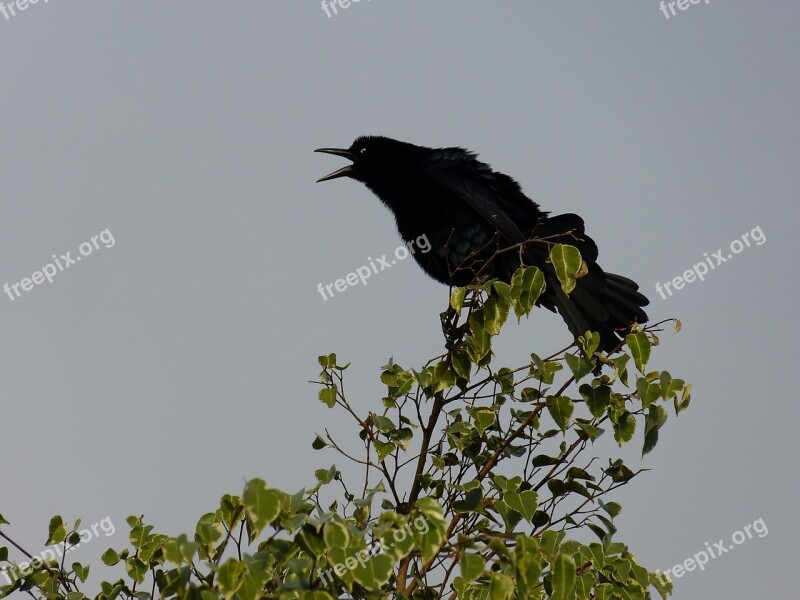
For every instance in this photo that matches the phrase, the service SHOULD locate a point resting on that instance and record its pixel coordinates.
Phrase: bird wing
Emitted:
(481, 197)
(499, 200)
(478, 192)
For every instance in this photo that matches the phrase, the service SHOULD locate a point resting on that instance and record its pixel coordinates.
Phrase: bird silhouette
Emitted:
(480, 225)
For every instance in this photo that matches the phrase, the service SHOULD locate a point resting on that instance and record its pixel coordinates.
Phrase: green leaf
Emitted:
(110, 557)
(229, 577)
(336, 535)
(544, 371)
(557, 487)
(57, 531)
(589, 342)
(618, 471)
(560, 408)
(579, 366)
(327, 360)
(3, 521)
(430, 541)
(624, 428)
(311, 540)
(81, 571)
(524, 503)
(430, 508)
(597, 399)
(374, 573)
(604, 591)
(479, 344)
(669, 386)
(495, 315)
(551, 540)
(612, 508)
(648, 392)
(472, 501)
(596, 551)
(136, 569)
(686, 397)
(229, 510)
(583, 586)
(384, 449)
(337, 558)
(655, 419)
(397, 544)
(384, 424)
(620, 370)
(484, 417)
(461, 363)
(472, 566)
(640, 574)
(563, 580)
(587, 429)
(325, 476)
(501, 587)
(661, 582)
(178, 550)
(403, 437)
(640, 348)
(578, 473)
(457, 298)
(527, 284)
(318, 443)
(528, 559)
(503, 290)
(568, 265)
(261, 504)
(443, 377)
(328, 395)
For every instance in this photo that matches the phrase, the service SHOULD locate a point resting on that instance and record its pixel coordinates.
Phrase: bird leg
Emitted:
(453, 333)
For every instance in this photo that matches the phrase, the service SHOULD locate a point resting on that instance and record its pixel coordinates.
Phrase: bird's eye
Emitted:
(362, 151)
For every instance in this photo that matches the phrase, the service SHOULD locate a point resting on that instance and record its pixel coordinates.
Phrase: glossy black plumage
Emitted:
(469, 212)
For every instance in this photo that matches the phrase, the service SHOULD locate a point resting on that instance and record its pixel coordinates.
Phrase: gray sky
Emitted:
(159, 373)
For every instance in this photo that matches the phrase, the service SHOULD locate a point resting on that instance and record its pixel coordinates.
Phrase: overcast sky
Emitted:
(167, 367)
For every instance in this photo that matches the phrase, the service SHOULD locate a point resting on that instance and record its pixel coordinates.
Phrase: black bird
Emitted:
(470, 214)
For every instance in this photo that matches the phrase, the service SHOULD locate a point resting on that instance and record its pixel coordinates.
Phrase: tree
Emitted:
(475, 479)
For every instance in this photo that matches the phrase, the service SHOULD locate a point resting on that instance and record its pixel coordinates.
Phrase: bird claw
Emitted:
(453, 333)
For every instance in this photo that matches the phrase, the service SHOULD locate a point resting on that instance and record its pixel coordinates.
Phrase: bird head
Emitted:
(376, 160)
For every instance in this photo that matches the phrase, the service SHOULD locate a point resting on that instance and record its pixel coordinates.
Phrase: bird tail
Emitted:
(602, 302)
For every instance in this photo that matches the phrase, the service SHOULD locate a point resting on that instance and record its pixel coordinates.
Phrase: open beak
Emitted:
(344, 171)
